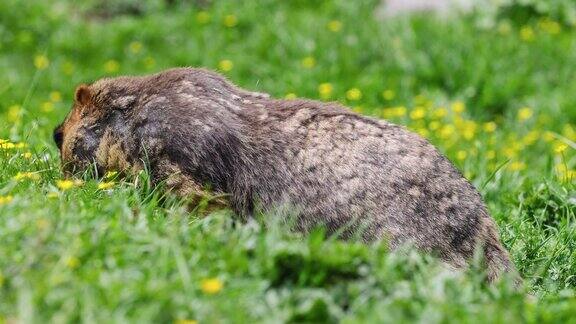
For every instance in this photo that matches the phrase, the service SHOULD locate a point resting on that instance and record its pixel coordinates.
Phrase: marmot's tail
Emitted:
(496, 257)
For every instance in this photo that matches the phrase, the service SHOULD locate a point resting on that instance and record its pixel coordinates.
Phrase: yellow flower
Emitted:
(72, 262)
(52, 195)
(439, 112)
(225, 65)
(388, 94)
(47, 106)
(531, 137)
(26, 175)
(423, 132)
(230, 21)
(418, 113)
(111, 66)
(105, 185)
(434, 125)
(67, 68)
(559, 148)
(55, 96)
(334, 26)
(308, 62)
(354, 94)
(490, 155)
(490, 127)
(5, 199)
(7, 145)
(211, 286)
(185, 321)
(517, 166)
(203, 17)
(458, 107)
(65, 184)
(447, 131)
(149, 62)
(461, 155)
(135, 47)
(325, 90)
(27, 155)
(290, 95)
(527, 34)
(41, 62)
(550, 26)
(524, 113)
(14, 113)
(20, 145)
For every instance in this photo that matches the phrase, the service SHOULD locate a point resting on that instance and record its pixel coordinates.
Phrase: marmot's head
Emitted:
(89, 136)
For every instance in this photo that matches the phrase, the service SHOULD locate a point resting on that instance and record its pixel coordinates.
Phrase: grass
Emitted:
(499, 99)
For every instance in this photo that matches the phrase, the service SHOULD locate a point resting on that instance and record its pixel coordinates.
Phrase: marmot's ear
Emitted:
(83, 94)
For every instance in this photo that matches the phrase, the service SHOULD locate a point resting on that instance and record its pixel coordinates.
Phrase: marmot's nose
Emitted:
(58, 136)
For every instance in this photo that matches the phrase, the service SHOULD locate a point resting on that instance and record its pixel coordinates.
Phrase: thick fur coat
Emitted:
(331, 167)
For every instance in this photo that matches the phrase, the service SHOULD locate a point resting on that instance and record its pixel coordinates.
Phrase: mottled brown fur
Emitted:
(354, 175)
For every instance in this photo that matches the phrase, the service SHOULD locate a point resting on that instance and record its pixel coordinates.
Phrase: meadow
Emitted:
(494, 90)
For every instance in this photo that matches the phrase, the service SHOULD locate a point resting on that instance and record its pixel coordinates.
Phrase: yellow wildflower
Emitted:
(27, 155)
(55, 96)
(135, 47)
(388, 94)
(447, 131)
(14, 113)
(440, 112)
(65, 184)
(489, 127)
(527, 34)
(111, 66)
(41, 62)
(434, 125)
(230, 21)
(211, 286)
(105, 185)
(490, 155)
(26, 175)
(423, 132)
(20, 145)
(550, 26)
(203, 17)
(418, 113)
(149, 62)
(354, 94)
(7, 145)
(458, 107)
(52, 195)
(559, 148)
(72, 262)
(549, 136)
(517, 166)
(5, 199)
(226, 65)
(531, 137)
(525, 113)
(47, 106)
(334, 26)
(110, 174)
(290, 95)
(325, 90)
(461, 155)
(308, 62)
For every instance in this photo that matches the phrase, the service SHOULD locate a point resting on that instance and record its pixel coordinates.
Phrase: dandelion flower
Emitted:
(55, 96)
(439, 112)
(354, 94)
(308, 62)
(26, 175)
(211, 286)
(517, 166)
(525, 113)
(72, 262)
(325, 90)
(27, 155)
(203, 17)
(135, 47)
(458, 107)
(527, 34)
(111, 66)
(226, 65)
(41, 62)
(559, 148)
(5, 200)
(489, 127)
(64, 184)
(47, 106)
(230, 21)
(106, 185)
(334, 26)
(418, 113)
(388, 94)
(14, 113)
(291, 95)
(461, 155)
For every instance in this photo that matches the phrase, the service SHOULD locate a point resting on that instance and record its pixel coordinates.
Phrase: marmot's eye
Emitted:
(58, 137)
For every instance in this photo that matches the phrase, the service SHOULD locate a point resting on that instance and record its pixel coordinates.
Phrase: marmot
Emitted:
(331, 167)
